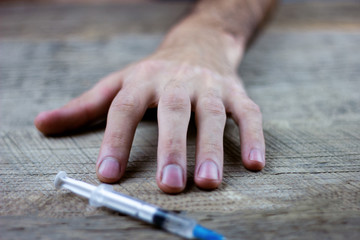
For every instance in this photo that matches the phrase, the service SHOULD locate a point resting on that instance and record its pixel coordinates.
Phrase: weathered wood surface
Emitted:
(304, 72)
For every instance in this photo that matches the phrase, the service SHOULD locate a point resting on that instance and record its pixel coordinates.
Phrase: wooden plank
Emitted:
(311, 176)
(302, 71)
(300, 15)
(302, 163)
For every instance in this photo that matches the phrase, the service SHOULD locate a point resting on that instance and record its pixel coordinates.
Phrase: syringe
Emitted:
(104, 195)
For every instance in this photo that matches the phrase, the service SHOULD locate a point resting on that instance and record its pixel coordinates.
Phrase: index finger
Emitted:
(124, 115)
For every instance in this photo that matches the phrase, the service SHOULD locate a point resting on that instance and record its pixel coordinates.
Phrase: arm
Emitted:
(229, 24)
(194, 69)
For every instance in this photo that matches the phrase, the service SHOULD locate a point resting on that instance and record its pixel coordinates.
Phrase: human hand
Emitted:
(176, 89)
(177, 79)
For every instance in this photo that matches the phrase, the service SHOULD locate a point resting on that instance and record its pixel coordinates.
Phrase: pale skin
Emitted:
(194, 69)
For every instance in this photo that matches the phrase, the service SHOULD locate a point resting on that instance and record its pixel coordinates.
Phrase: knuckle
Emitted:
(143, 70)
(250, 106)
(115, 139)
(176, 102)
(172, 150)
(247, 109)
(212, 148)
(105, 92)
(174, 157)
(148, 66)
(127, 103)
(213, 106)
(174, 144)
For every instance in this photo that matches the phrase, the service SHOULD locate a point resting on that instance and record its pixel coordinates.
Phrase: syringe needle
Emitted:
(104, 195)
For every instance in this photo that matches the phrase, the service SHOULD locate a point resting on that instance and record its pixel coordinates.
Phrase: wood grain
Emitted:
(303, 71)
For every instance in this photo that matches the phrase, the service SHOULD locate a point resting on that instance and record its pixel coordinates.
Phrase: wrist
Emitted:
(198, 42)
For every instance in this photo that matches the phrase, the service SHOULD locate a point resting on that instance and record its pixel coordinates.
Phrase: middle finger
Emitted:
(174, 111)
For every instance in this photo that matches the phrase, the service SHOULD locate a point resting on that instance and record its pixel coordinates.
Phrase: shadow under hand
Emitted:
(232, 150)
(89, 128)
(143, 156)
(149, 116)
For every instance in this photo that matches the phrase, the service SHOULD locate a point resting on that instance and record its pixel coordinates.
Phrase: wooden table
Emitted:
(303, 70)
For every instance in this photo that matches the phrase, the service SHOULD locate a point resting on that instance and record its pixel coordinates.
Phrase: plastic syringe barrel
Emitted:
(75, 186)
(104, 195)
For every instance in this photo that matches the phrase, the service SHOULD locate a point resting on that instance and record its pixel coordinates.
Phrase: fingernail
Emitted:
(109, 168)
(256, 155)
(208, 170)
(173, 176)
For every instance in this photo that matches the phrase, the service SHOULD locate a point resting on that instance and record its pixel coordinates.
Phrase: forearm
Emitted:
(218, 30)
(240, 18)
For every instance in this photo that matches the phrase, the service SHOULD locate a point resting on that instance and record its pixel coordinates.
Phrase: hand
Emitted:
(178, 79)
(176, 89)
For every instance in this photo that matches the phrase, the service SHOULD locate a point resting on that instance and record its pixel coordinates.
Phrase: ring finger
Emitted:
(210, 122)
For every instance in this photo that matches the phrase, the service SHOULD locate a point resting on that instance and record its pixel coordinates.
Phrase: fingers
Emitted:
(248, 117)
(210, 120)
(125, 113)
(173, 118)
(87, 108)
